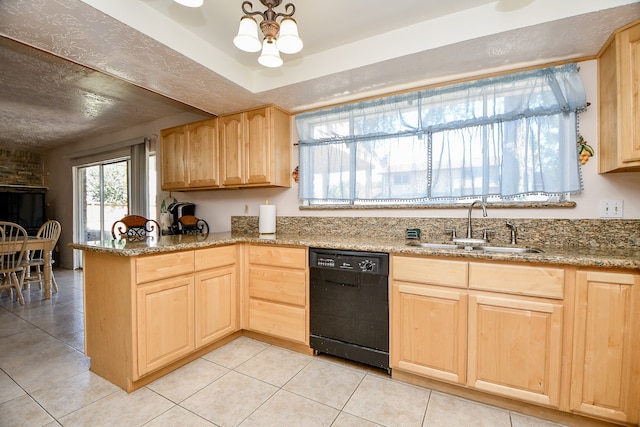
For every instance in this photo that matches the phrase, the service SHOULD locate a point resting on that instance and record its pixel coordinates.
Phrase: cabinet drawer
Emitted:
(286, 286)
(161, 266)
(209, 258)
(514, 279)
(277, 256)
(278, 320)
(430, 271)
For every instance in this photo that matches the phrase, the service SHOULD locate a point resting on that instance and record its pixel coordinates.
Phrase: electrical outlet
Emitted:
(611, 208)
(246, 209)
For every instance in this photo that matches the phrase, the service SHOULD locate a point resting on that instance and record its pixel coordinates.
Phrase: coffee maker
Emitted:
(177, 210)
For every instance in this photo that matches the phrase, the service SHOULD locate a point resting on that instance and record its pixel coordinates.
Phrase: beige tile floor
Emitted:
(45, 381)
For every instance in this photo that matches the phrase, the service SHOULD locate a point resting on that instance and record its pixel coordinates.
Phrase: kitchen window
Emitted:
(506, 138)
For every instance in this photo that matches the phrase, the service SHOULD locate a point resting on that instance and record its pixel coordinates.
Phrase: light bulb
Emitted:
(190, 3)
(288, 39)
(270, 56)
(247, 38)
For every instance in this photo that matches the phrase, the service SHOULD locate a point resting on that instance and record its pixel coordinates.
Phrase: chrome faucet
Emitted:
(484, 213)
(469, 238)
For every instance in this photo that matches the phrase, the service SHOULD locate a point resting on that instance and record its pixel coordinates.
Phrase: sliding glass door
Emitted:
(107, 190)
(103, 198)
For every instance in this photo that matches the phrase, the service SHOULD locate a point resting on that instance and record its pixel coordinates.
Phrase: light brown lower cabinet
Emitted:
(605, 378)
(216, 311)
(503, 329)
(516, 330)
(277, 295)
(429, 331)
(145, 313)
(515, 347)
(165, 321)
(181, 314)
(428, 303)
(446, 325)
(217, 291)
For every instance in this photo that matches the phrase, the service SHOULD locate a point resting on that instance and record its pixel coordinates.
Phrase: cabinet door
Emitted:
(619, 103)
(429, 331)
(173, 154)
(258, 146)
(515, 348)
(216, 304)
(203, 161)
(231, 134)
(165, 316)
(606, 365)
(630, 97)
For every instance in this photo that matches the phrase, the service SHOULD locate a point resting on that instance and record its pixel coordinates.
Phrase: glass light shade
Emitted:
(288, 39)
(270, 56)
(190, 3)
(247, 38)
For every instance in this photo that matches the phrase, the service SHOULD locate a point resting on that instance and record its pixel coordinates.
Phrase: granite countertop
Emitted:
(574, 256)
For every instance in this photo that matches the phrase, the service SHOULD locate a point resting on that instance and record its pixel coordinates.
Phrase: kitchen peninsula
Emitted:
(154, 305)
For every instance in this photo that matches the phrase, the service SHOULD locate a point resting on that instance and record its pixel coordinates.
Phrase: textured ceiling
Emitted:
(47, 99)
(70, 69)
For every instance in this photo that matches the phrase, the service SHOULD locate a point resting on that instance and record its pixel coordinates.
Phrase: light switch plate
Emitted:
(611, 208)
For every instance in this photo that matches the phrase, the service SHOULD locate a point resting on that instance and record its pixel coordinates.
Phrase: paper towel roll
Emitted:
(267, 219)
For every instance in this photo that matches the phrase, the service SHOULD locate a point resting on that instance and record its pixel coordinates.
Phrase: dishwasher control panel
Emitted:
(363, 262)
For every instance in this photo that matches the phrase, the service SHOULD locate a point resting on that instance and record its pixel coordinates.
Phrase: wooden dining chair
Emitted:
(13, 245)
(134, 227)
(189, 224)
(33, 261)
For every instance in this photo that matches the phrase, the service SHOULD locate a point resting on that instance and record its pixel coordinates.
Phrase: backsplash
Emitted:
(21, 167)
(597, 233)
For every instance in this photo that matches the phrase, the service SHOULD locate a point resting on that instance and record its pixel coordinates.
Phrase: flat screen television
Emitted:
(24, 208)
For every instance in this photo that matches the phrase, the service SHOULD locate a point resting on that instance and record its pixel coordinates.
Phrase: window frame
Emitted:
(356, 114)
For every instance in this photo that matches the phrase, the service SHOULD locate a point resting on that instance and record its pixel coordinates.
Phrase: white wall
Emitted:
(218, 206)
(58, 163)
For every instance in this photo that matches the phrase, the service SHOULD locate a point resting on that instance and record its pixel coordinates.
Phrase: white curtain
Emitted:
(505, 136)
(139, 188)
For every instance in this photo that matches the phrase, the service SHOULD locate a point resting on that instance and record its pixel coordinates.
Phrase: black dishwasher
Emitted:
(349, 305)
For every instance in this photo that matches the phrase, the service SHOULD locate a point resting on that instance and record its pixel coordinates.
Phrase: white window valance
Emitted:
(502, 136)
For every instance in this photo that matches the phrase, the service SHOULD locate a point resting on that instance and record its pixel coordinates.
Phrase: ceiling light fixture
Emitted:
(190, 3)
(282, 37)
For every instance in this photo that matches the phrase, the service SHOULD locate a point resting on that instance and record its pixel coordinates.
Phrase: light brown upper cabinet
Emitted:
(619, 101)
(255, 148)
(190, 156)
(173, 158)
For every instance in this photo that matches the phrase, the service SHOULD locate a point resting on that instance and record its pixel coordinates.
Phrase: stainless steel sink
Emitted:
(435, 245)
(508, 249)
(453, 246)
